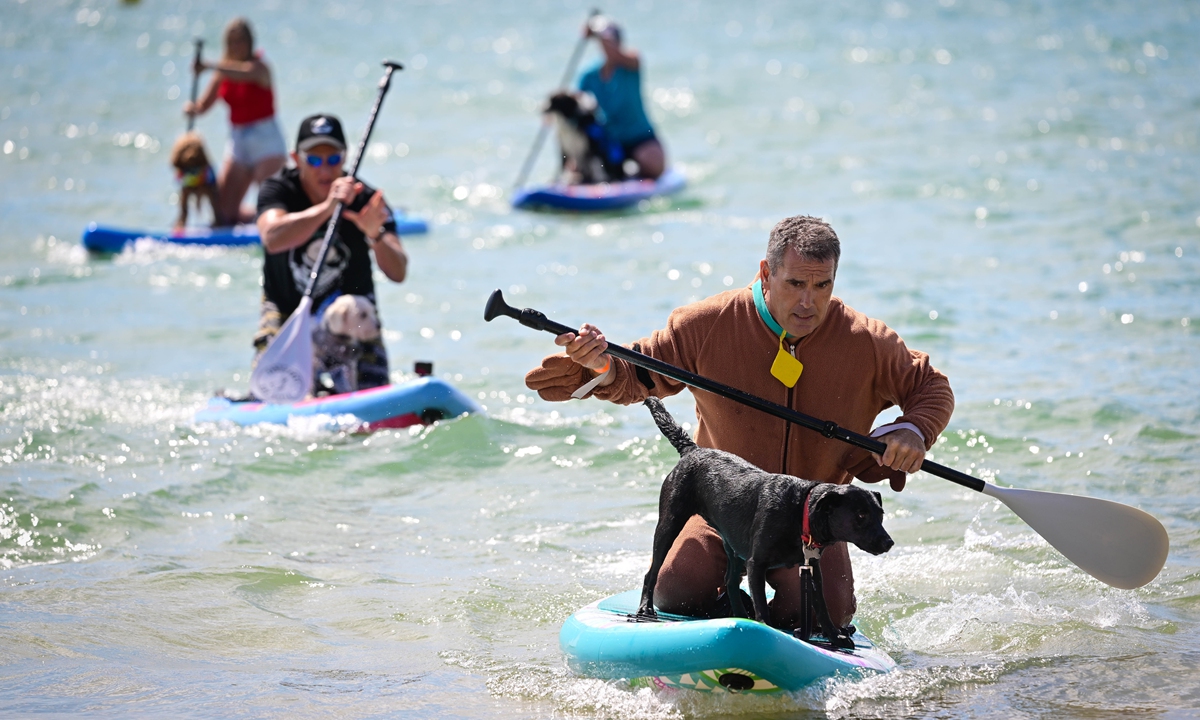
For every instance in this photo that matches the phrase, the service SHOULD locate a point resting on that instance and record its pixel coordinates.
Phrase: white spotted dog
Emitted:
(589, 156)
(346, 325)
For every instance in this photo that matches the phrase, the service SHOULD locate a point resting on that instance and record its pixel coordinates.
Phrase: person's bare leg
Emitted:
(263, 170)
(231, 188)
(838, 579)
(693, 575)
(651, 159)
(785, 606)
(694, 572)
(838, 585)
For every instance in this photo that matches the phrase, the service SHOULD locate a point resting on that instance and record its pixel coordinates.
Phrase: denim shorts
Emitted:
(254, 142)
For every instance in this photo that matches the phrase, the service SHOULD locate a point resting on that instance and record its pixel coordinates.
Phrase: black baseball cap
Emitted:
(320, 130)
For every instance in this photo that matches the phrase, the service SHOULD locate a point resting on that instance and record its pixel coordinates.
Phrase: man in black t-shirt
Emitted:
(294, 208)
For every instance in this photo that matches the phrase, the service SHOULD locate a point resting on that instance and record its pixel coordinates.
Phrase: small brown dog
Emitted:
(195, 175)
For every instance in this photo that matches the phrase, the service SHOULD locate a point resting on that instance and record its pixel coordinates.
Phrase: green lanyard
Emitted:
(786, 368)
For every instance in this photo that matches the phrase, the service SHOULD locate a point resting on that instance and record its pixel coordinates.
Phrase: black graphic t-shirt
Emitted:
(347, 267)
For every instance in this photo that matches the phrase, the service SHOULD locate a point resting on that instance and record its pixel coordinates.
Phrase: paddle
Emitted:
(1117, 544)
(284, 373)
(545, 129)
(195, 82)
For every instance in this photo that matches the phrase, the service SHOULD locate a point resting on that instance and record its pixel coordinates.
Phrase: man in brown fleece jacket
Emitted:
(850, 368)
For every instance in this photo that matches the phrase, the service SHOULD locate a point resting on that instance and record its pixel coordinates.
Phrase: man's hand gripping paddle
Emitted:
(1114, 543)
(284, 373)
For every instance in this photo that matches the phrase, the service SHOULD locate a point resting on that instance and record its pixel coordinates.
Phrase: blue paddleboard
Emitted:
(598, 196)
(604, 640)
(106, 239)
(419, 401)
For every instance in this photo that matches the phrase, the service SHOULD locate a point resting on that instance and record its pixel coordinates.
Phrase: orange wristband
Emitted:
(607, 365)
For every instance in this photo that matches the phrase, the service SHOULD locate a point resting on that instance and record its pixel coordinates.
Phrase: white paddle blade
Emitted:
(284, 373)
(1114, 543)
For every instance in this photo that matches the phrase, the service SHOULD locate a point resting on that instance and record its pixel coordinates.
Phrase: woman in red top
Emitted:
(256, 147)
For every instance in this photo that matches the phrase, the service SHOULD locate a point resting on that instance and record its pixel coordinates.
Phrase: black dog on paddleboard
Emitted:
(761, 517)
(589, 155)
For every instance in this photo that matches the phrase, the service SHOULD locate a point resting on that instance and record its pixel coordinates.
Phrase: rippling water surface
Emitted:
(1014, 186)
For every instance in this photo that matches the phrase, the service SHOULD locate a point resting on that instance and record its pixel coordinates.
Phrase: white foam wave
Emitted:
(146, 251)
(626, 566)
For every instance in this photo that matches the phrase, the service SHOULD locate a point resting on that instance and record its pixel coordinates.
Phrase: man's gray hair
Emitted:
(812, 238)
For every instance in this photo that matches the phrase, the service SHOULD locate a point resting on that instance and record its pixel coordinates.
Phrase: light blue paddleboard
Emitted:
(422, 400)
(605, 640)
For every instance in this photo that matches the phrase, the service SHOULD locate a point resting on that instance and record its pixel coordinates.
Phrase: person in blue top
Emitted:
(617, 86)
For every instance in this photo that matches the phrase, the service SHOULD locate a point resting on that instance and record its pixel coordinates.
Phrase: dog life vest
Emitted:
(614, 154)
(198, 177)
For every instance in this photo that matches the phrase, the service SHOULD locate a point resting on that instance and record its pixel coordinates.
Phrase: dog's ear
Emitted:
(878, 497)
(823, 498)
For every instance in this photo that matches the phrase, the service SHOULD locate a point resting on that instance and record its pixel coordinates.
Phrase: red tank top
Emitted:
(248, 101)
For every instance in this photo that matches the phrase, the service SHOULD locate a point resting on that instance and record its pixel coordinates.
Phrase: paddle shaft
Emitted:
(538, 321)
(362, 150)
(545, 129)
(195, 82)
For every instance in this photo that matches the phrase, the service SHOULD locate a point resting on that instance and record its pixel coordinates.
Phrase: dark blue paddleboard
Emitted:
(598, 196)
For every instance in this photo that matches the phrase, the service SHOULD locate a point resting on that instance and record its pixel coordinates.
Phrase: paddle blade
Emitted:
(284, 373)
(1114, 543)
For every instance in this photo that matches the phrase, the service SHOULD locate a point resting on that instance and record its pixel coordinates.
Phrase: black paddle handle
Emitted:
(538, 321)
(384, 84)
(195, 82)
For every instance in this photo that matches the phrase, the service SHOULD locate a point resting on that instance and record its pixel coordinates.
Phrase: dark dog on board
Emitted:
(760, 516)
(195, 175)
(589, 156)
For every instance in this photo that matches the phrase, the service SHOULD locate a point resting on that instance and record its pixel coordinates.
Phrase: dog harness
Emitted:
(198, 177)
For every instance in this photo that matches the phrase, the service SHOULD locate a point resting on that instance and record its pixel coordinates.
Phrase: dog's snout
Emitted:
(882, 544)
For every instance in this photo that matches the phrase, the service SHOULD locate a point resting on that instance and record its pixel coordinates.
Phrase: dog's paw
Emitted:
(647, 611)
(843, 641)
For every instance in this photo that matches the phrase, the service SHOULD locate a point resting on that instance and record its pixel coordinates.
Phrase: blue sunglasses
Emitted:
(317, 161)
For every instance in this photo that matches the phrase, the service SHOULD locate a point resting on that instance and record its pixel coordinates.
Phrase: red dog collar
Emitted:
(805, 532)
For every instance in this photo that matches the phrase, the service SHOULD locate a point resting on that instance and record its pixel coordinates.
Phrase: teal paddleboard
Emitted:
(606, 640)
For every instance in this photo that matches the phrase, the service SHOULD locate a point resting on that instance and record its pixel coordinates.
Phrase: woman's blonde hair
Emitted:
(238, 25)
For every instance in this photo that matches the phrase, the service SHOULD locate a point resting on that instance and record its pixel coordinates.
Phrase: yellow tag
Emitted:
(786, 369)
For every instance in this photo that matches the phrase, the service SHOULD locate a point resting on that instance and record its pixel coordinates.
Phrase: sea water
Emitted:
(1014, 185)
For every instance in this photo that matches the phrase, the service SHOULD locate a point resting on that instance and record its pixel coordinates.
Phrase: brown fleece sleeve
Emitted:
(677, 344)
(905, 378)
